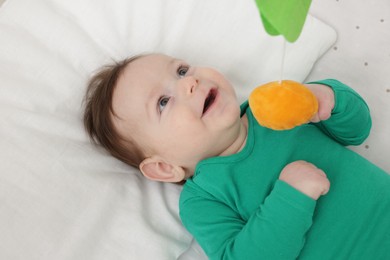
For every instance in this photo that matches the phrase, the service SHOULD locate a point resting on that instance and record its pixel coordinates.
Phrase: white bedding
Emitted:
(61, 197)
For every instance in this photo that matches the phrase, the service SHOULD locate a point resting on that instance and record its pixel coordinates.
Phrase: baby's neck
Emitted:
(240, 142)
(244, 122)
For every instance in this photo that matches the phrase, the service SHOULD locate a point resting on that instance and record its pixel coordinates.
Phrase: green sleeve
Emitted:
(276, 230)
(350, 121)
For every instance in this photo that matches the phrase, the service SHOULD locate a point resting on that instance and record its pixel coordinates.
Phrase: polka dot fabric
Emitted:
(361, 58)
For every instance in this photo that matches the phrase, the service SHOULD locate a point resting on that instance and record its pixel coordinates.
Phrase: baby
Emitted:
(250, 192)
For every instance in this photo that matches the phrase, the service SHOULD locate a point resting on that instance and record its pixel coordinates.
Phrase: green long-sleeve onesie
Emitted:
(236, 207)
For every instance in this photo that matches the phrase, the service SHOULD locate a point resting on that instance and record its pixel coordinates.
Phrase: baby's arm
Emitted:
(276, 230)
(343, 114)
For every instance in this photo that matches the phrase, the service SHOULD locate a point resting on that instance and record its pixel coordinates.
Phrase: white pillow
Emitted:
(63, 198)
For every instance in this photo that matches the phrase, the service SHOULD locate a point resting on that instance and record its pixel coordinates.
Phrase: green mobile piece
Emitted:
(283, 17)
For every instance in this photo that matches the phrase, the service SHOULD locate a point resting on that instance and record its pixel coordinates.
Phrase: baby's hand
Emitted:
(306, 178)
(325, 97)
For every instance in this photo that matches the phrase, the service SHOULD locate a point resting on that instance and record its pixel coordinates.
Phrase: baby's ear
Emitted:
(156, 169)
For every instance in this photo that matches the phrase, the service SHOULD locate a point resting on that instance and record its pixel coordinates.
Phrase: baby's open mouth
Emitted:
(209, 100)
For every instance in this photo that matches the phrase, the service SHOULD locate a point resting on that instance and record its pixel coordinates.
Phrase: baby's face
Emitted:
(181, 113)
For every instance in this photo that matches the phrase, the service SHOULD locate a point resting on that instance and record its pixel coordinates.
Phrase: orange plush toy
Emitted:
(283, 105)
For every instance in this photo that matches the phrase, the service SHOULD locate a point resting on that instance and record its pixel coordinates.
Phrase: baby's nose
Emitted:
(188, 85)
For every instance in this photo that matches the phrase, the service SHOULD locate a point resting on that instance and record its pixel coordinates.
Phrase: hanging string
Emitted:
(282, 61)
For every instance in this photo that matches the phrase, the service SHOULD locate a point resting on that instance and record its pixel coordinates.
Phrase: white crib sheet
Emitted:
(61, 197)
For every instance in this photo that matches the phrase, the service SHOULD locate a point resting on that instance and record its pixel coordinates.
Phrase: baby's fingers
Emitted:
(325, 108)
(315, 118)
(326, 188)
(325, 98)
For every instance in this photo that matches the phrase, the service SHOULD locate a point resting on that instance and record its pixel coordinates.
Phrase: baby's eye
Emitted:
(162, 102)
(182, 70)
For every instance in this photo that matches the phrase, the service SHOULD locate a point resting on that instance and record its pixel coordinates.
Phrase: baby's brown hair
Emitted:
(98, 114)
